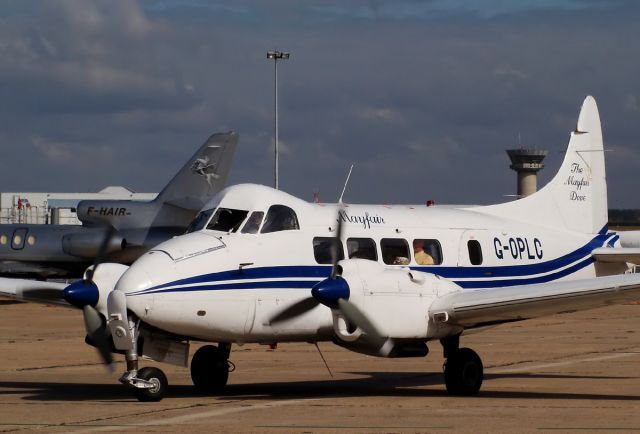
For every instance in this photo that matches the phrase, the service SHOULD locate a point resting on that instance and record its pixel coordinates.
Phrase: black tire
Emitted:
(209, 369)
(463, 373)
(157, 392)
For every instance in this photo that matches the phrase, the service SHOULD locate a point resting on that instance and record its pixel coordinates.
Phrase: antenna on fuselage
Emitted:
(345, 184)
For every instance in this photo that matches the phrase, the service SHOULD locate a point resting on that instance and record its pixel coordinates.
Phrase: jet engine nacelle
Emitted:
(396, 301)
(86, 244)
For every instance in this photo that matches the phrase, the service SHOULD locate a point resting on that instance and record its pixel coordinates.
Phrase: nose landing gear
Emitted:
(154, 385)
(149, 384)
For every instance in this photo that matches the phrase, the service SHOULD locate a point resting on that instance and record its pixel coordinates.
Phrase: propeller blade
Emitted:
(336, 246)
(359, 319)
(109, 232)
(296, 309)
(97, 333)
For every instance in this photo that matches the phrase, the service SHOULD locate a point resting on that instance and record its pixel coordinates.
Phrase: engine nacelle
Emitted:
(105, 278)
(86, 244)
(396, 301)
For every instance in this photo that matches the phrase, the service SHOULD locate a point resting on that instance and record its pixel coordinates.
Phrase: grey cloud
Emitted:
(87, 56)
(423, 103)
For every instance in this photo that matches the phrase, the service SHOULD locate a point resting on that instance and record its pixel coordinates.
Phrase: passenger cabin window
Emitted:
(427, 252)
(280, 218)
(323, 249)
(475, 252)
(227, 220)
(362, 248)
(200, 222)
(17, 242)
(395, 251)
(253, 223)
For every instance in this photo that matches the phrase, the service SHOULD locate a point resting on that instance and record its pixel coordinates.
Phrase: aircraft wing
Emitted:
(33, 290)
(484, 307)
(617, 254)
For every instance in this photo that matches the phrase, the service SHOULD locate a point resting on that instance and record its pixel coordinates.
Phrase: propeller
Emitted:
(306, 304)
(296, 309)
(84, 294)
(97, 333)
(334, 293)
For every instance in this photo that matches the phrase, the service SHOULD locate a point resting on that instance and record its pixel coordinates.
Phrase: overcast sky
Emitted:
(422, 96)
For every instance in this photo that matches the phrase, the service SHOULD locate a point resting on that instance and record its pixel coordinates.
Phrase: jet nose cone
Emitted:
(329, 291)
(81, 293)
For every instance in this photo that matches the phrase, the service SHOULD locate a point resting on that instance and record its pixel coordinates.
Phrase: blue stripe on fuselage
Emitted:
(519, 272)
(475, 284)
(288, 271)
(270, 284)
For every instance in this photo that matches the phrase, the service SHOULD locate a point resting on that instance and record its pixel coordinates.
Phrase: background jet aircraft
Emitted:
(130, 227)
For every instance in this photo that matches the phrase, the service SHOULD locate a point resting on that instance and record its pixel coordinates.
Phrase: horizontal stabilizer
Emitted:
(493, 306)
(32, 290)
(617, 255)
(629, 238)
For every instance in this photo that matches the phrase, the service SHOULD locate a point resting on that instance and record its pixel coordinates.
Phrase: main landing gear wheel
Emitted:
(209, 369)
(158, 387)
(463, 373)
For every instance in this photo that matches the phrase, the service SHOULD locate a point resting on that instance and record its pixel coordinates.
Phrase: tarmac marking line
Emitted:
(595, 428)
(563, 363)
(353, 427)
(200, 415)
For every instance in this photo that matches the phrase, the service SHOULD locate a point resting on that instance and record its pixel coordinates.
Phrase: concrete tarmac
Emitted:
(569, 373)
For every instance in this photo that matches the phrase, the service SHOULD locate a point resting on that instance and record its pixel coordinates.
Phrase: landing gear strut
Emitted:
(210, 368)
(149, 384)
(463, 371)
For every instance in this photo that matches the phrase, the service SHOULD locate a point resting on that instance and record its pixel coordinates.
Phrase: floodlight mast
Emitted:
(276, 55)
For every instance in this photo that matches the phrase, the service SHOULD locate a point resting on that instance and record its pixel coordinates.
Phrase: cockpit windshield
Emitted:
(280, 218)
(227, 219)
(200, 222)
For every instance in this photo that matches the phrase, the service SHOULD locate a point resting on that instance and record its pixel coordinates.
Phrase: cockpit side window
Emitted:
(280, 218)
(323, 249)
(200, 222)
(227, 219)
(253, 223)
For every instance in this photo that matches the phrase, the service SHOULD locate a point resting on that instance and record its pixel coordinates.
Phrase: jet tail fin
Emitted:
(204, 174)
(576, 198)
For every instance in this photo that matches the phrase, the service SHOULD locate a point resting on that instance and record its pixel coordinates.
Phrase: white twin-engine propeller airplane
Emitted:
(258, 265)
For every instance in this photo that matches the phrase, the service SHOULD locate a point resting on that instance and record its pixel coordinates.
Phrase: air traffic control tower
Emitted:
(527, 163)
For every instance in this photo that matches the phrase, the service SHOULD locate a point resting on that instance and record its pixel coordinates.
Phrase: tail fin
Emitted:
(203, 175)
(576, 198)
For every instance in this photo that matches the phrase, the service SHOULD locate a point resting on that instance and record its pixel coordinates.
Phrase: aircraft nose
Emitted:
(81, 293)
(134, 280)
